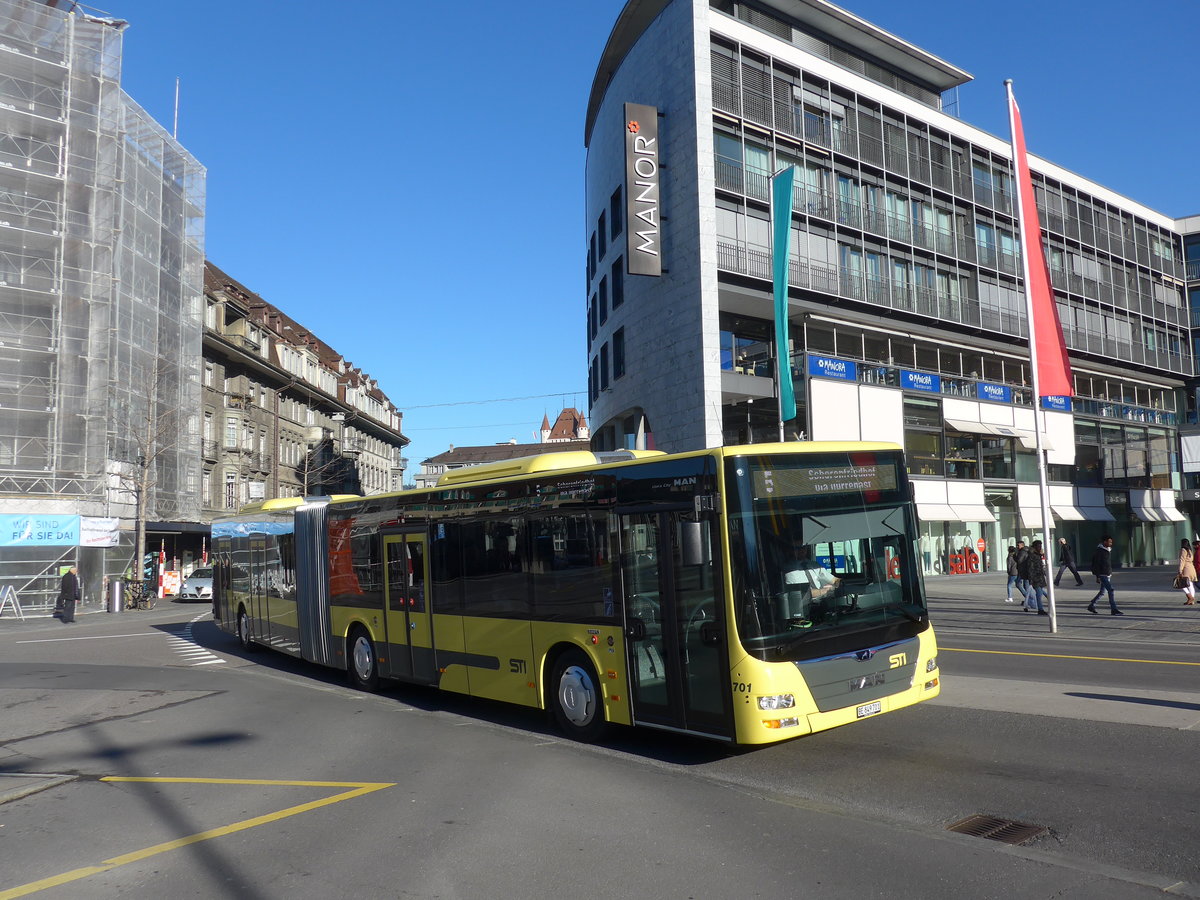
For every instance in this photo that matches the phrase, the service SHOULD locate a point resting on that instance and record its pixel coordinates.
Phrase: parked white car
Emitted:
(198, 585)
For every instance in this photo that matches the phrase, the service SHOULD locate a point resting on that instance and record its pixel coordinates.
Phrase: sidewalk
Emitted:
(1154, 611)
(43, 614)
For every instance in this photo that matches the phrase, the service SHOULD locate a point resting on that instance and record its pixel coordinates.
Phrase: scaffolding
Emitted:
(101, 293)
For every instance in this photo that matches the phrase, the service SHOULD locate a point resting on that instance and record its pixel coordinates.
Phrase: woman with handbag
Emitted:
(1185, 580)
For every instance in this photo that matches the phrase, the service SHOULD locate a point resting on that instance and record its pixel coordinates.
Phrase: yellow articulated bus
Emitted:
(747, 594)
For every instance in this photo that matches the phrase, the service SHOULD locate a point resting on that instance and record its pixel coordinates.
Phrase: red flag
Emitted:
(1053, 367)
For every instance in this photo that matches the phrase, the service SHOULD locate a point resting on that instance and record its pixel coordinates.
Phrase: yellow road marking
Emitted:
(358, 789)
(1159, 662)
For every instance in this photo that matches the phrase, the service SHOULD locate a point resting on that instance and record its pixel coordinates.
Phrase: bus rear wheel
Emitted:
(576, 703)
(363, 667)
(243, 630)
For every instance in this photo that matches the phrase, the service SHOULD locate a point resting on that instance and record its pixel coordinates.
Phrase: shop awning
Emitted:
(1155, 506)
(1027, 438)
(936, 512)
(1090, 502)
(1029, 505)
(973, 513)
(1062, 504)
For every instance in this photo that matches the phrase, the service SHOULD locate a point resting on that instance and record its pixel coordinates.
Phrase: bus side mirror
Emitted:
(696, 549)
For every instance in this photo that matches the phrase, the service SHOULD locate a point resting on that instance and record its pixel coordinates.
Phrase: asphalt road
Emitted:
(298, 786)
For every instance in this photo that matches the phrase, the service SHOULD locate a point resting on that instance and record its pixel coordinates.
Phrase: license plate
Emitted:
(870, 709)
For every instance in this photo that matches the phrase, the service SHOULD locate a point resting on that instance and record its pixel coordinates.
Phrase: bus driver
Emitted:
(806, 572)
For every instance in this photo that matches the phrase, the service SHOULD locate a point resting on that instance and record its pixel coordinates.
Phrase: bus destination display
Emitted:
(818, 481)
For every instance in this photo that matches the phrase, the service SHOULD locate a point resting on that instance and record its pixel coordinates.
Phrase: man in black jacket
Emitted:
(1102, 568)
(1066, 560)
(68, 594)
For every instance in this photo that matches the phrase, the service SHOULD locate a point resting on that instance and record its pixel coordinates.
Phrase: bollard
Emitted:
(116, 595)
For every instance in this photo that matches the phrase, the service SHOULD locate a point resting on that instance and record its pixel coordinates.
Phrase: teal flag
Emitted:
(781, 226)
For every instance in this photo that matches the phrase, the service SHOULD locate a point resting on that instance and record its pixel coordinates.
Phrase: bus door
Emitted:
(409, 623)
(260, 609)
(675, 622)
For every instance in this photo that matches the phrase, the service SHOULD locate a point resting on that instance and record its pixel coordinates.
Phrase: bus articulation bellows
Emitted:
(747, 594)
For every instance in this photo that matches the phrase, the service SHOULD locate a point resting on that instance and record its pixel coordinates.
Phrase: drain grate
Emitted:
(995, 829)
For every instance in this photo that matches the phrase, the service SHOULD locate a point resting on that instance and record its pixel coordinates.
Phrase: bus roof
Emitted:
(283, 504)
(583, 459)
(542, 462)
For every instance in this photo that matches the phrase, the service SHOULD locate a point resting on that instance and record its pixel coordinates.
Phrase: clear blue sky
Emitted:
(370, 164)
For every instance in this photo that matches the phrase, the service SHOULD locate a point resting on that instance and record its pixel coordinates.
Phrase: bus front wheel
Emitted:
(364, 670)
(576, 703)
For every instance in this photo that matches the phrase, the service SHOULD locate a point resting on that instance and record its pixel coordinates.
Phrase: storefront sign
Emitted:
(965, 563)
(1063, 403)
(643, 241)
(828, 367)
(39, 531)
(920, 381)
(1000, 393)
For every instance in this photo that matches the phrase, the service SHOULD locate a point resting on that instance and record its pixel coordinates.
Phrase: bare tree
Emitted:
(325, 471)
(152, 433)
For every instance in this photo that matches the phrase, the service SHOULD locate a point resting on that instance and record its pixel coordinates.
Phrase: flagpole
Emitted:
(1038, 415)
(782, 187)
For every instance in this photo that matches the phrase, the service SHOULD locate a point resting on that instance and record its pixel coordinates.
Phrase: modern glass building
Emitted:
(101, 305)
(906, 307)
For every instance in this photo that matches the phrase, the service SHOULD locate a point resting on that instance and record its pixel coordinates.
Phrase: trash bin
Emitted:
(116, 595)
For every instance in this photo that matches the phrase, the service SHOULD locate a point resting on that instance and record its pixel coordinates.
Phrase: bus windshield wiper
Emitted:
(903, 610)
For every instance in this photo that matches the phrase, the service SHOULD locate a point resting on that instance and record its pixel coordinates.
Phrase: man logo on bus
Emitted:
(864, 655)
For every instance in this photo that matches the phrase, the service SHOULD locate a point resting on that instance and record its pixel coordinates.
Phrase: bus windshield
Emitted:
(817, 571)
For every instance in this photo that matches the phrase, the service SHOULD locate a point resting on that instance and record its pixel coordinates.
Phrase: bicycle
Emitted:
(140, 595)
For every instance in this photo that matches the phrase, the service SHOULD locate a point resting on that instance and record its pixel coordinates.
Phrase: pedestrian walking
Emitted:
(1102, 568)
(1186, 579)
(1035, 568)
(1066, 560)
(1014, 577)
(1021, 557)
(68, 595)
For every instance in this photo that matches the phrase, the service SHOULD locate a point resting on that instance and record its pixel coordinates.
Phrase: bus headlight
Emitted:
(932, 664)
(777, 701)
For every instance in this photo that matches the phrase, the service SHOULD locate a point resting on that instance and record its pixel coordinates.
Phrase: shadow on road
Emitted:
(1144, 701)
(657, 745)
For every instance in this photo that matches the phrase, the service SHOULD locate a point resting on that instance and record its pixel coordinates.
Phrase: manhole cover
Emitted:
(995, 829)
